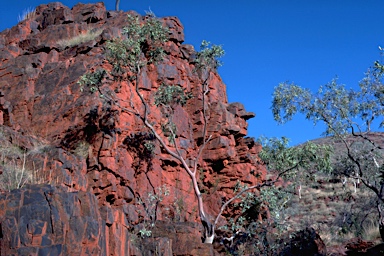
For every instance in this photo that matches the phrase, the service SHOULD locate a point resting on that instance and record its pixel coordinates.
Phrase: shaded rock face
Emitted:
(44, 220)
(96, 151)
(305, 242)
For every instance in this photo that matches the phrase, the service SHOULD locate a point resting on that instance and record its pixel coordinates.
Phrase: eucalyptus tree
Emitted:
(141, 46)
(348, 116)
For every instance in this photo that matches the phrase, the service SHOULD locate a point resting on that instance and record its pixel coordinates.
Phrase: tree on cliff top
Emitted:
(348, 116)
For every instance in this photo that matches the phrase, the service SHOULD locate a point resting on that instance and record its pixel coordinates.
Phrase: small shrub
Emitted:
(144, 233)
(82, 149)
(179, 205)
(171, 94)
(92, 80)
(150, 147)
(150, 204)
(38, 146)
(17, 160)
(14, 173)
(169, 131)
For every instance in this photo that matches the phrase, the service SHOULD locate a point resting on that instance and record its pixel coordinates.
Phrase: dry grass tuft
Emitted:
(27, 14)
(14, 173)
(371, 231)
(81, 38)
(18, 161)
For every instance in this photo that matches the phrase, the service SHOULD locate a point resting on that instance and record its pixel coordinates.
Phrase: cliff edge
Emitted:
(90, 177)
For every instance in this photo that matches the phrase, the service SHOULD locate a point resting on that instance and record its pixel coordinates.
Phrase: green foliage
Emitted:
(247, 199)
(259, 233)
(170, 95)
(276, 200)
(333, 104)
(120, 53)
(348, 116)
(92, 80)
(255, 233)
(292, 161)
(208, 56)
(169, 130)
(150, 147)
(342, 111)
(166, 97)
(144, 232)
(296, 165)
(150, 204)
(142, 45)
(283, 97)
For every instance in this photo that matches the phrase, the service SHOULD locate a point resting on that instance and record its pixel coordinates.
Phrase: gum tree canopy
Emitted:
(348, 116)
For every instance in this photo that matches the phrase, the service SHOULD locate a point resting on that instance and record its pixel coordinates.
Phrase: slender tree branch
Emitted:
(365, 138)
(204, 135)
(267, 183)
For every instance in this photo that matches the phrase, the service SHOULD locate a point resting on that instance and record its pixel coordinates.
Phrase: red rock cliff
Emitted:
(97, 152)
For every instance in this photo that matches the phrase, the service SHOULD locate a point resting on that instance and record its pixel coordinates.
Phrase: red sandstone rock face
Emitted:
(40, 100)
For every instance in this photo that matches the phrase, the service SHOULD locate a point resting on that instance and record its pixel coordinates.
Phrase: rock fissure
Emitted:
(50, 212)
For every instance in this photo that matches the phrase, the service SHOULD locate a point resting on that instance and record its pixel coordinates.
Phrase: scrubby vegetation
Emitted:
(348, 115)
(18, 165)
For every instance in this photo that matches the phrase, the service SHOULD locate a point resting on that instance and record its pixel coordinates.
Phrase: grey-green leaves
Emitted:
(171, 94)
(208, 57)
(92, 80)
(142, 44)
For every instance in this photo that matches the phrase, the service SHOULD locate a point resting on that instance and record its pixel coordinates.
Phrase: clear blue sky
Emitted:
(308, 42)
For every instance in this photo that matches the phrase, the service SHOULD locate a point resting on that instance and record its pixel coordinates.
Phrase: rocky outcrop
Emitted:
(96, 153)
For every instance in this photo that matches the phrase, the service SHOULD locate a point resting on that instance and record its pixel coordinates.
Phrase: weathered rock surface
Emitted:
(73, 140)
(44, 220)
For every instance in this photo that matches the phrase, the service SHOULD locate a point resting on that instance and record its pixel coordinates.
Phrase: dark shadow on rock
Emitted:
(305, 243)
